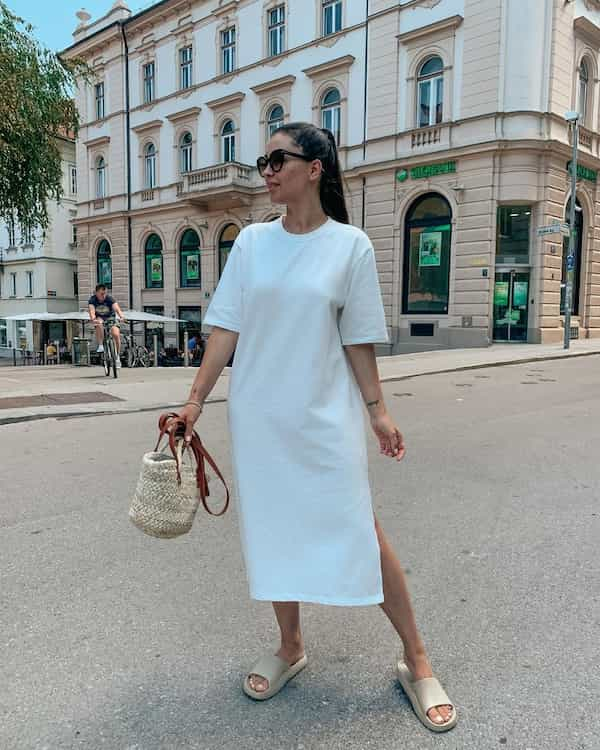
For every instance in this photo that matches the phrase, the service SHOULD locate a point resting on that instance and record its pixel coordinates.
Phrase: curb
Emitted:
(62, 416)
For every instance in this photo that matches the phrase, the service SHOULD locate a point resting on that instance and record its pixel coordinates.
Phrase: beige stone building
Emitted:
(449, 116)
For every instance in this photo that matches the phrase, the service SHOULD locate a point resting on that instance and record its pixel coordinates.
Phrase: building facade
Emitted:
(449, 115)
(38, 270)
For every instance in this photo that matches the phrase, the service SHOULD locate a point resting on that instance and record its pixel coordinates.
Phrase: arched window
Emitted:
(100, 177)
(104, 264)
(583, 92)
(189, 259)
(149, 166)
(430, 87)
(575, 272)
(185, 151)
(154, 262)
(331, 112)
(228, 141)
(226, 240)
(274, 119)
(427, 242)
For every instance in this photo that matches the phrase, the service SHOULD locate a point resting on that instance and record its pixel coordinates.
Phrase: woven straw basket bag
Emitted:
(169, 488)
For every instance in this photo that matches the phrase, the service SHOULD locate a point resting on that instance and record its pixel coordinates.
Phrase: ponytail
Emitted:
(319, 143)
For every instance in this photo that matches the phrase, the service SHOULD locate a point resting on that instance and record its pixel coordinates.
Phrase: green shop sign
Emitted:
(428, 170)
(584, 173)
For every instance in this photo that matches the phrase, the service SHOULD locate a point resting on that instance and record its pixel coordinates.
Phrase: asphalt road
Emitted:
(110, 639)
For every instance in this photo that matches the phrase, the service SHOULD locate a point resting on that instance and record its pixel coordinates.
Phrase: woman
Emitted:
(300, 304)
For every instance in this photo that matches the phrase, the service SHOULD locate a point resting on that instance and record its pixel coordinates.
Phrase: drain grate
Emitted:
(56, 399)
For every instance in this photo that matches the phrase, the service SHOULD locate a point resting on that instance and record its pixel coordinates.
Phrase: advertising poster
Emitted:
(105, 272)
(520, 293)
(501, 293)
(156, 269)
(430, 249)
(193, 266)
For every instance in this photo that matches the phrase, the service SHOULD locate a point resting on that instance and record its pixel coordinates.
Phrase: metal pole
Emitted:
(57, 347)
(186, 359)
(155, 346)
(572, 230)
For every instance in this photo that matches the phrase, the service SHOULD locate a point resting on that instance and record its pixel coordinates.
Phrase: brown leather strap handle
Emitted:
(173, 427)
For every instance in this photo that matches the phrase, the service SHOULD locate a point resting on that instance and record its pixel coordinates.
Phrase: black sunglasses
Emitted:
(276, 160)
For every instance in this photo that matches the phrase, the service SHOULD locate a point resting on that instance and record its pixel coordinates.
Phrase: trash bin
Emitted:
(81, 352)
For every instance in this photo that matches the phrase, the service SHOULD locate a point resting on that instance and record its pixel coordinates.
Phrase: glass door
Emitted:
(511, 305)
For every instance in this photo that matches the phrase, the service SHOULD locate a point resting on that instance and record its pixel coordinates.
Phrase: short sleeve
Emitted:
(225, 309)
(362, 320)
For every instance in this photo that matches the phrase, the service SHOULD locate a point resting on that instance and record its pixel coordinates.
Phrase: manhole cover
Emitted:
(56, 399)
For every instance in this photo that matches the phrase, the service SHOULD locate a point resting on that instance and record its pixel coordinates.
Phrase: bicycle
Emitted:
(109, 355)
(137, 355)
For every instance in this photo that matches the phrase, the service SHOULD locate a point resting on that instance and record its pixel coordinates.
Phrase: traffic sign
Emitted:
(556, 228)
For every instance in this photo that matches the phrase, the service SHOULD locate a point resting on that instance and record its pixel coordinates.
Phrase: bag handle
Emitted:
(173, 426)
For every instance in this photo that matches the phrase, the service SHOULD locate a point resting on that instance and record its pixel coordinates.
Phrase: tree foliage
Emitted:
(36, 109)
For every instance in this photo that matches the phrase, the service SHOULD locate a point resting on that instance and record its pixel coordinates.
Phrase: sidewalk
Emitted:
(72, 391)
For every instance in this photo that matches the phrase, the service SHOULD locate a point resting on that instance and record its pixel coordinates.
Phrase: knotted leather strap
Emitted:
(173, 426)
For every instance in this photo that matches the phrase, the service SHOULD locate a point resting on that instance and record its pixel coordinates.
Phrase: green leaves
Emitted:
(36, 110)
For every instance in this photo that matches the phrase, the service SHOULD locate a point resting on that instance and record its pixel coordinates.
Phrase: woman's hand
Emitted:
(391, 442)
(190, 413)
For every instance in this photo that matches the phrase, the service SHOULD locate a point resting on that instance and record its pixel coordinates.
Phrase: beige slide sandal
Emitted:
(424, 695)
(278, 673)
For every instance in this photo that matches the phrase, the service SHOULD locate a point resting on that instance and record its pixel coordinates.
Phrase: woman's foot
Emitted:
(420, 668)
(290, 654)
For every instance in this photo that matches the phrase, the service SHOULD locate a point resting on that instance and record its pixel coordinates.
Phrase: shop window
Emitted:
(427, 244)
(512, 234)
(154, 262)
(575, 272)
(151, 328)
(104, 264)
(190, 321)
(189, 259)
(226, 240)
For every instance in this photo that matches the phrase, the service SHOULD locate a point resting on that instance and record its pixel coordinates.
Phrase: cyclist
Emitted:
(102, 307)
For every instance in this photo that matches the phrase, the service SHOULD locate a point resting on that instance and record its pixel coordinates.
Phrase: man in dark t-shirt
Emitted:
(101, 307)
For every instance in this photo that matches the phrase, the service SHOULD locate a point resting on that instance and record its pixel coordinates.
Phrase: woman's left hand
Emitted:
(391, 442)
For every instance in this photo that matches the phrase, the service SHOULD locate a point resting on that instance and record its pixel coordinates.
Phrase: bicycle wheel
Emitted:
(143, 356)
(106, 359)
(113, 356)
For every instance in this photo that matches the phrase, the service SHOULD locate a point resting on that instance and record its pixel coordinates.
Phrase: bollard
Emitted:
(155, 345)
(186, 357)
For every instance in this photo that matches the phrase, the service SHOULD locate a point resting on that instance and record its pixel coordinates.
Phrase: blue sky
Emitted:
(55, 20)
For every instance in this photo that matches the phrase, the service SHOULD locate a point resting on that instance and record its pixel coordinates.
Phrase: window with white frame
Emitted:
(185, 67)
(276, 18)
(274, 119)
(228, 141)
(149, 166)
(430, 92)
(148, 72)
(228, 50)
(99, 97)
(73, 179)
(27, 235)
(13, 284)
(185, 152)
(583, 89)
(331, 112)
(100, 177)
(29, 275)
(332, 16)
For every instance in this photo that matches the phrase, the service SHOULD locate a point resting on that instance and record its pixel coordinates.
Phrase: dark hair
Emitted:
(319, 143)
(100, 286)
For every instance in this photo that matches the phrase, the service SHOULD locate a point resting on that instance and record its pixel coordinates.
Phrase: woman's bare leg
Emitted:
(398, 608)
(292, 643)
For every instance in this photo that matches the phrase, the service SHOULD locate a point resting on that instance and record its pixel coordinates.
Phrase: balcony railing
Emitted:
(426, 137)
(98, 203)
(147, 195)
(210, 184)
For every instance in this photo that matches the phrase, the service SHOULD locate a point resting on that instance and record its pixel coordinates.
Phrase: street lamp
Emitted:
(573, 119)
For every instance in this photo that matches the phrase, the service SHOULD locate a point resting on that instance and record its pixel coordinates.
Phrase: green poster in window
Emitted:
(430, 249)
(192, 266)
(105, 272)
(501, 293)
(520, 293)
(156, 268)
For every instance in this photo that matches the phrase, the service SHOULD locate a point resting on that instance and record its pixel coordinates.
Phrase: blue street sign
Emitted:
(570, 262)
